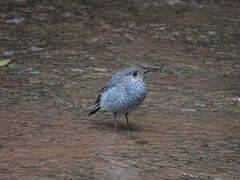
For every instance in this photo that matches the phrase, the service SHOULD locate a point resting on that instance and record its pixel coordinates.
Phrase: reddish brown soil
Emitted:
(63, 53)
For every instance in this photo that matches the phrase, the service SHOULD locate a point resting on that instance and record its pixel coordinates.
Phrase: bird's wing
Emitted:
(116, 79)
(104, 89)
(97, 105)
(111, 83)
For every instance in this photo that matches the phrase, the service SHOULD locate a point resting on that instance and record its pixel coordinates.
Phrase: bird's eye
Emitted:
(134, 73)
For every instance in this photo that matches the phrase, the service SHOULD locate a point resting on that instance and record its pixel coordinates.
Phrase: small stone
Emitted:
(188, 110)
(8, 53)
(200, 105)
(100, 69)
(35, 72)
(162, 28)
(173, 2)
(94, 40)
(28, 69)
(16, 20)
(212, 33)
(77, 70)
(35, 49)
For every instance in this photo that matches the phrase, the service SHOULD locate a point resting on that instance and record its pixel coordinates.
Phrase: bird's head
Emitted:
(135, 73)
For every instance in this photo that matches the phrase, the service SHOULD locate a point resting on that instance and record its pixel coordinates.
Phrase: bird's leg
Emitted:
(126, 116)
(115, 122)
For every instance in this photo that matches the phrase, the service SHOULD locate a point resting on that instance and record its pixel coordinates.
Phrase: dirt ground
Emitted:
(65, 51)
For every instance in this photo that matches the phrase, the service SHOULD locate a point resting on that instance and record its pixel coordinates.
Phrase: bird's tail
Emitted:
(94, 109)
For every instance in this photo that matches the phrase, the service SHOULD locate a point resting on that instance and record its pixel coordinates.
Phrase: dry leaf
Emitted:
(5, 62)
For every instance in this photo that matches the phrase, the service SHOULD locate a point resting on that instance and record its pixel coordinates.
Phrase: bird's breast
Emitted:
(124, 97)
(137, 90)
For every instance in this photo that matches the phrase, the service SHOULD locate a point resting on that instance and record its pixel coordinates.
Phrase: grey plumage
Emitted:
(124, 92)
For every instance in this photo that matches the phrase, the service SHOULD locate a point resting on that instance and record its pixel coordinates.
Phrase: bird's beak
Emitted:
(146, 70)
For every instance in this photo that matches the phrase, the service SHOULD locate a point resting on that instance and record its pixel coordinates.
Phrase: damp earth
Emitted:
(63, 53)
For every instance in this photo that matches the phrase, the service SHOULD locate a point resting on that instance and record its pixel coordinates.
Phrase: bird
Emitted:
(123, 93)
